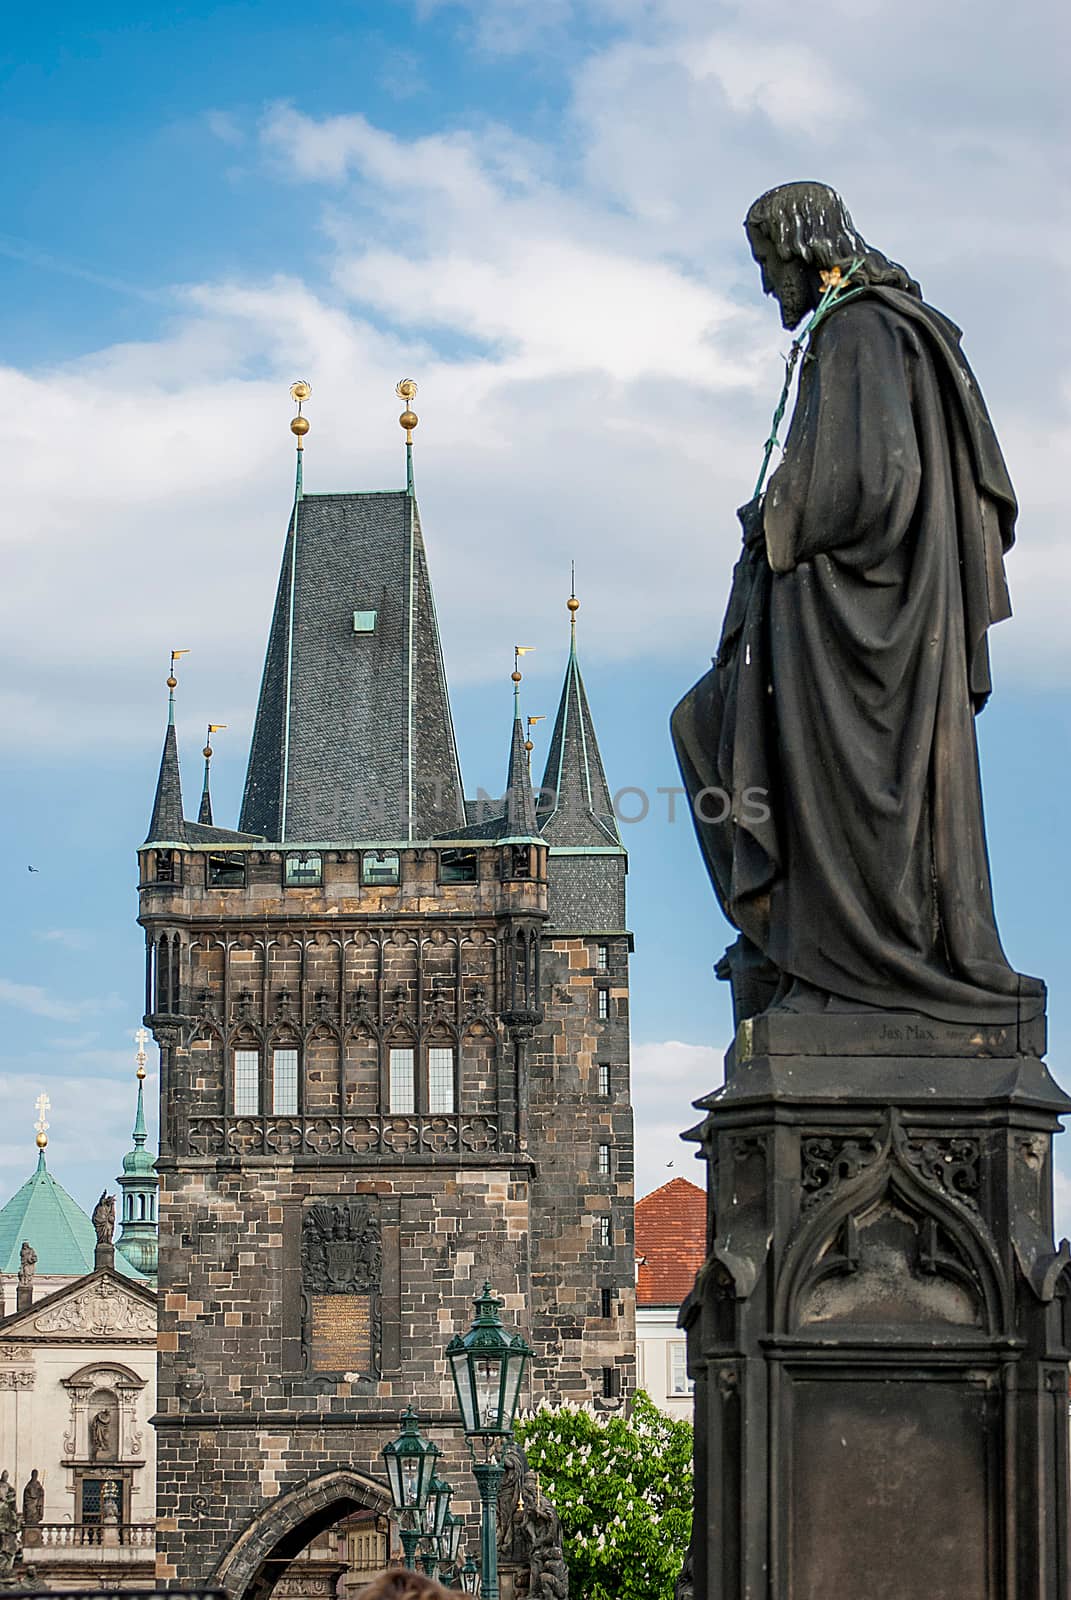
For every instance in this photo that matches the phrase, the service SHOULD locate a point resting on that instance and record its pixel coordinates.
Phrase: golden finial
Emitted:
(141, 1039)
(213, 727)
(300, 392)
(42, 1106)
(405, 389)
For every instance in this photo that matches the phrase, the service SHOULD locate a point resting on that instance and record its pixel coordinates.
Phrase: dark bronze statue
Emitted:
(838, 717)
(104, 1218)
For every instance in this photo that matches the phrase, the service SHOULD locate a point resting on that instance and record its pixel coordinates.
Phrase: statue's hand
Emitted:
(751, 522)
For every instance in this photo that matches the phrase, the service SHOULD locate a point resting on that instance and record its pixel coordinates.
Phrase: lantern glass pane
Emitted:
(427, 1472)
(488, 1374)
(394, 1478)
(459, 1363)
(515, 1363)
(410, 1471)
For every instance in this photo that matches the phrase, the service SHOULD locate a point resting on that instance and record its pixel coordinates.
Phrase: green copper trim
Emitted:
(409, 489)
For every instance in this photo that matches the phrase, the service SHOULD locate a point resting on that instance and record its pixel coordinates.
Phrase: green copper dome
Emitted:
(43, 1214)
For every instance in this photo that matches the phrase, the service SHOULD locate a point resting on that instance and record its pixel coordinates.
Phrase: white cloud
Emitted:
(666, 1078)
(68, 938)
(596, 367)
(38, 1002)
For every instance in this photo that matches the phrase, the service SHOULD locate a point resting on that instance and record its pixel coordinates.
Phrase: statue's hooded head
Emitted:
(798, 231)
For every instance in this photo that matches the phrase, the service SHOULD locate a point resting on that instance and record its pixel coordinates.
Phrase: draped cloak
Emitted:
(839, 714)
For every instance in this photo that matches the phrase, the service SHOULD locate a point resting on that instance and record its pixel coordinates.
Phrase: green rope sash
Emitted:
(835, 293)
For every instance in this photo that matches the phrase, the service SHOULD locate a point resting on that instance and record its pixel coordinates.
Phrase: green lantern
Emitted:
(450, 1541)
(438, 1507)
(470, 1577)
(488, 1365)
(410, 1461)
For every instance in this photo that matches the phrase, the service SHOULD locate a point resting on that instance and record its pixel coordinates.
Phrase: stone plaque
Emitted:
(340, 1333)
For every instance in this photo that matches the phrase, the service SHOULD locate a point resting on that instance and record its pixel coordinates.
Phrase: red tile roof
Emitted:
(671, 1242)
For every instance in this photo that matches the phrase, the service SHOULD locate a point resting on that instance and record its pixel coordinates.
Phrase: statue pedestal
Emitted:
(881, 1331)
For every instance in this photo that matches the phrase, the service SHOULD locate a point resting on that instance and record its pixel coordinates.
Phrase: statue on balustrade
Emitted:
(830, 751)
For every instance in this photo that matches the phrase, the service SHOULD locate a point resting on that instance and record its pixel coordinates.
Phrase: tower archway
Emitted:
(259, 1556)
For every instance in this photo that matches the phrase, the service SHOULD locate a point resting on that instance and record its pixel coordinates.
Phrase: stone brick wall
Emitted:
(508, 1186)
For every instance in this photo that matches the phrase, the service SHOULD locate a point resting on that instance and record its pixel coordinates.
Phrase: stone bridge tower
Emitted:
(394, 1060)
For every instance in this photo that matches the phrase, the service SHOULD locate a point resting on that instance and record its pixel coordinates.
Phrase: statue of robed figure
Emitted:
(838, 717)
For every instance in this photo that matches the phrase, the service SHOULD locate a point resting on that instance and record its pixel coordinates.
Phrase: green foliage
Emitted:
(622, 1487)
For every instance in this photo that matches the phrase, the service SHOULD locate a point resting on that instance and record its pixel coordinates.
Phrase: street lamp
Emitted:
(470, 1577)
(488, 1365)
(410, 1461)
(449, 1544)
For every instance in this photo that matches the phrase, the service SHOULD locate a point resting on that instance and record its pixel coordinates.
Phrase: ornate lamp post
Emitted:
(410, 1461)
(449, 1544)
(488, 1364)
(470, 1577)
(435, 1514)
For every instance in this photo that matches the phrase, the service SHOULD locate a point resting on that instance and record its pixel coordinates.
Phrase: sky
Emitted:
(533, 207)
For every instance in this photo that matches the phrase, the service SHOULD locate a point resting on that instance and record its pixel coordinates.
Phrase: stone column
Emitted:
(880, 1333)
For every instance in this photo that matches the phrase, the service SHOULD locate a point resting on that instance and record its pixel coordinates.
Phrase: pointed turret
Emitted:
(139, 1231)
(166, 825)
(353, 739)
(520, 815)
(204, 815)
(574, 803)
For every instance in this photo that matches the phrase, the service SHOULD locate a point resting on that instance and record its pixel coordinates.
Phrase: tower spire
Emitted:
(575, 805)
(166, 822)
(520, 819)
(139, 1232)
(205, 813)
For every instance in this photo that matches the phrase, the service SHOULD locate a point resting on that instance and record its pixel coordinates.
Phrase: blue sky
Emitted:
(535, 210)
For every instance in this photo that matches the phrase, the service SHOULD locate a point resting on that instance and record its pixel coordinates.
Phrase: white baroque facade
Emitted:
(77, 1390)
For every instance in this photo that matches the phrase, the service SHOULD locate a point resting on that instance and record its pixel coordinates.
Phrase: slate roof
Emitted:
(368, 751)
(166, 825)
(43, 1213)
(574, 803)
(671, 1242)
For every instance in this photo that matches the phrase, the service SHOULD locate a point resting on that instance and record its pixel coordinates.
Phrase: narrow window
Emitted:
(379, 867)
(603, 1225)
(401, 1090)
(603, 1004)
(604, 1078)
(611, 1383)
(226, 871)
(246, 1083)
(284, 1083)
(457, 866)
(165, 866)
(607, 1296)
(679, 1381)
(440, 1080)
(604, 1161)
(602, 957)
(303, 871)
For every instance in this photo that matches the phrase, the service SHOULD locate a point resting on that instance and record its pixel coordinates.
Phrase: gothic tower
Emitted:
(393, 1029)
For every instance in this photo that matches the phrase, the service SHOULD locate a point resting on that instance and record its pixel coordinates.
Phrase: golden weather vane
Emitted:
(299, 393)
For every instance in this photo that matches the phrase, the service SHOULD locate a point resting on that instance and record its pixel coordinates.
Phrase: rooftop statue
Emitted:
(838, 716)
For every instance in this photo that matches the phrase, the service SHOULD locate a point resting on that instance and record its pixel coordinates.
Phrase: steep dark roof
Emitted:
(205, 814)
(166, 825)
(367, 751)
(520, 818)
(574, 802)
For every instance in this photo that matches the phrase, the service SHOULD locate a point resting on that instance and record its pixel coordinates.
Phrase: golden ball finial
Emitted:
(41, 1140)
(406, 389)
(573, 603)
(516, 677)
(207, 752)
(529, 746)
(172, 682)
(141, 1071)
(300, 426)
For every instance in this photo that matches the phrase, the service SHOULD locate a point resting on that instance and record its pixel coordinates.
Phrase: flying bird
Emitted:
(32, 869)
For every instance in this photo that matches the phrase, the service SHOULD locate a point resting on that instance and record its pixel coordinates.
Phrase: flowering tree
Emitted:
(622, 1486)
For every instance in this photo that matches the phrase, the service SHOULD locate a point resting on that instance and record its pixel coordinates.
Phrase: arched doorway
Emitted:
(258, 1558)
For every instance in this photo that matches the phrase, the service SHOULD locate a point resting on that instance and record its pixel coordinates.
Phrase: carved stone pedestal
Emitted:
(880, 1334)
